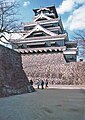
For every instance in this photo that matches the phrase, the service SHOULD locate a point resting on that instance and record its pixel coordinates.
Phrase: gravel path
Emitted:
(47, 104)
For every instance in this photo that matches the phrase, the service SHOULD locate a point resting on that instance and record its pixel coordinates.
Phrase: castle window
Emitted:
(70, 58)
(60, 43)
(28, 28)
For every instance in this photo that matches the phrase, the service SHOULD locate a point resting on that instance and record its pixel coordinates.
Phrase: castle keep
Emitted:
(45, 34)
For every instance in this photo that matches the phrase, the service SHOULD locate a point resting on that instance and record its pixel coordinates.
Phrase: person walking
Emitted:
(31, 82)
(42, 84)
(38, 84)
(46, 83)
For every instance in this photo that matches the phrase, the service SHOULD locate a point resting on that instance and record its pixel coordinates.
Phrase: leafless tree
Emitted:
(8, 16)
(79, 35)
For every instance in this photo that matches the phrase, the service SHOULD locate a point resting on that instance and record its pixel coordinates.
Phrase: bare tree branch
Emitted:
(8, 16)
(79, 35)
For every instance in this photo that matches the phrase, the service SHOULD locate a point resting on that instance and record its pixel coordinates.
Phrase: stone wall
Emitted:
(52, 66)
(13, 79)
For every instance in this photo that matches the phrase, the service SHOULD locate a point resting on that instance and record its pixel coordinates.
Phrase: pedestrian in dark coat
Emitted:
(31, 82)
(42, 84)
(46, 83)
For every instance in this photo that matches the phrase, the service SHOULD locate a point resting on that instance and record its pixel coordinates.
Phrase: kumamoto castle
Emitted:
(46, 50)
(46, 35)
(43, 51)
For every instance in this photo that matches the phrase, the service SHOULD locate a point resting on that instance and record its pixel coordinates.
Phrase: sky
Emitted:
(72, 12)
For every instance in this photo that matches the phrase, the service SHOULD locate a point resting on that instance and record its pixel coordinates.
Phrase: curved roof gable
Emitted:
(41, 16)
(39, 28)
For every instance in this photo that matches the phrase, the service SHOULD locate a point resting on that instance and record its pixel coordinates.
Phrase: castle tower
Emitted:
(45, 34)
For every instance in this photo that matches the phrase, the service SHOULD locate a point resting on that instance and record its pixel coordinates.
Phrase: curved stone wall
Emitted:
(52, 66)
(13, 79)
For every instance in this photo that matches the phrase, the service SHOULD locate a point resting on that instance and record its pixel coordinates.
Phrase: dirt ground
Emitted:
(47, 104)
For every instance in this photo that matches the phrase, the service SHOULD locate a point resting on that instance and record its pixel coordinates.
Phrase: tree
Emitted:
(8, 16)
(79, 35)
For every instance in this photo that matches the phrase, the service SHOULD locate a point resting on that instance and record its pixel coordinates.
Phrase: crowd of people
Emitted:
(43, 84)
